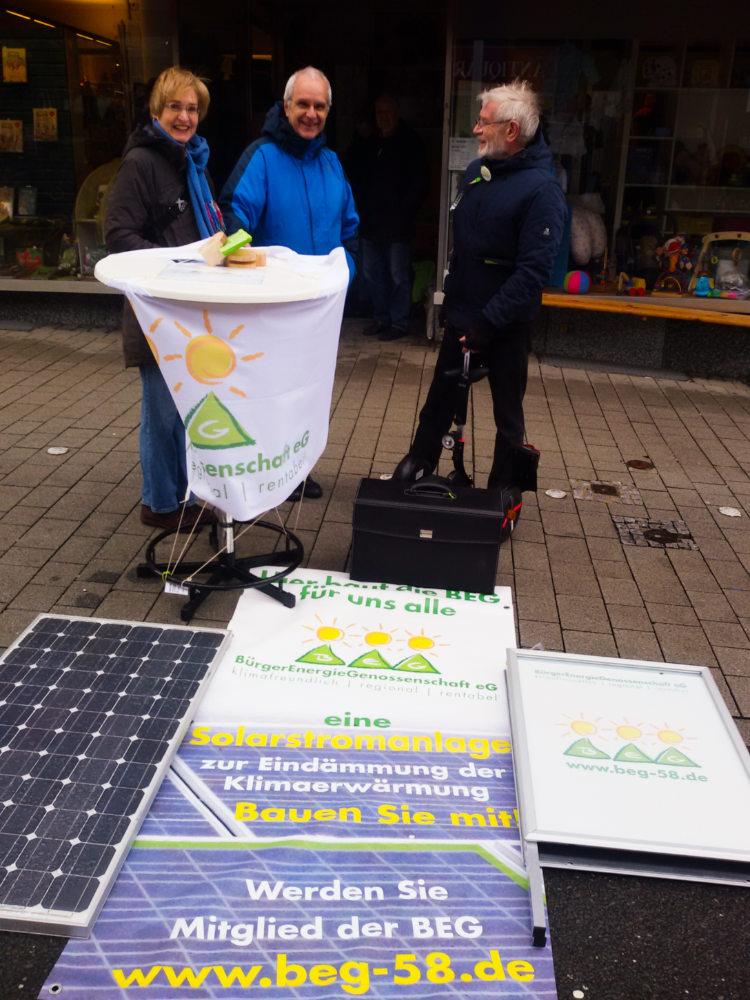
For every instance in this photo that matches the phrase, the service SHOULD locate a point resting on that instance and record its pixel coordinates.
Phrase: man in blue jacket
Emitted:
(288, 189)
(508, 222)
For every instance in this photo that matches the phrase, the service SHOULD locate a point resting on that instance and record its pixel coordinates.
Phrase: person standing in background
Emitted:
(390, 179)
(508, 221)
(161, 197)
(288, 189)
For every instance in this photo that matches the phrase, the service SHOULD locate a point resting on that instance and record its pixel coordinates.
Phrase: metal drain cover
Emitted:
(662, 536)
(605, 489)
(645, 531)
(639, 463)
(605, 492)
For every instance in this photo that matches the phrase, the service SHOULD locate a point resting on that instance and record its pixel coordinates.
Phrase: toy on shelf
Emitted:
(675, 278)
(724, 260)
(577, 282)
(630, 286)
(731, 279)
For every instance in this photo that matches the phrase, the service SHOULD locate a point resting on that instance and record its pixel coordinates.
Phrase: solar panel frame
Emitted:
(74, 795)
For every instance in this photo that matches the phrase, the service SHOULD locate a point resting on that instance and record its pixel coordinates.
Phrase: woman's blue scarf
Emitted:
(206, 210)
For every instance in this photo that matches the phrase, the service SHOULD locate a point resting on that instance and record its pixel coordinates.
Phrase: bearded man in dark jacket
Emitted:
(508, 222)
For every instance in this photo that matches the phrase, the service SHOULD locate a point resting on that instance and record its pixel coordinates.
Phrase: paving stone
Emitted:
(740, 602)
(608, 569)
(628, 616)
(637, 645)
(733, 660)
(37, 597)
(536, 607)
(589, 643)
(531, 581)
(547, 635)
(735, 691)
(582, 613)
(712, 607)
(684, 644)
(727, 634)
(671, 614)
(528, 555)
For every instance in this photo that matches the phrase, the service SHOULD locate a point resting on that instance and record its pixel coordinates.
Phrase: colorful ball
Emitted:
(577, 282)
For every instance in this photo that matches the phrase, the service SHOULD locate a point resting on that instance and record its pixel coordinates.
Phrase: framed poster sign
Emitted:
(45, 124)
(628, 765)
(14, 65)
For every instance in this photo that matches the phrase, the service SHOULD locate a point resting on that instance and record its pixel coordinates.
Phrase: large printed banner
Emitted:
(309, 920)
(341, 819)
(374, 657)
(249, 359)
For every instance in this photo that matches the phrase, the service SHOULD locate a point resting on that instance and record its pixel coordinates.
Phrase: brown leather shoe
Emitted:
(195, 515)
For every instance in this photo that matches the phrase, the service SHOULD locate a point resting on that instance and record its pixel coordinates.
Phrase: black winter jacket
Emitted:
(506, 234)
(390, 179)
(148, 206)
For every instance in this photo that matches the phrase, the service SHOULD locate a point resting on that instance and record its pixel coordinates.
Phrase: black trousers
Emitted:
(508, 361)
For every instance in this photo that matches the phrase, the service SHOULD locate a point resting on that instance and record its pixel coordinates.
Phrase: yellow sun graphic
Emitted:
(626, 731)
(378, 637)
(327, 632)
(581, 726)
(209, 359)
(670, 736)
(422, 643)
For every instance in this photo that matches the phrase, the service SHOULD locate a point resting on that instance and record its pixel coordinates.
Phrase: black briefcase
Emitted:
(428, 534)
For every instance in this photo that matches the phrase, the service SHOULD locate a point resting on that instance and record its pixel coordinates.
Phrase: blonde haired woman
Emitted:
(162, 197)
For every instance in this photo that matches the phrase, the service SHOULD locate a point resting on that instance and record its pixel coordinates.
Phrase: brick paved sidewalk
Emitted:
(632, 562)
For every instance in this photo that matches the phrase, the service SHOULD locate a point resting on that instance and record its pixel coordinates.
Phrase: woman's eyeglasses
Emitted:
(191, 109)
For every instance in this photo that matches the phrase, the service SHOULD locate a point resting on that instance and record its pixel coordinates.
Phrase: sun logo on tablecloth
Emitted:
(208, 359)
(372, 659)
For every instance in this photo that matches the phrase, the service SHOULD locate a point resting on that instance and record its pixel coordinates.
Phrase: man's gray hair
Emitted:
(307, 71)
(516, 101)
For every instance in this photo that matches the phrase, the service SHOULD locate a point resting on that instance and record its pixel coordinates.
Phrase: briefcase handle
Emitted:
(431, 486)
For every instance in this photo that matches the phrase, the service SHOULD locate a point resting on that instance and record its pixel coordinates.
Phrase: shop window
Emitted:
(62, 115)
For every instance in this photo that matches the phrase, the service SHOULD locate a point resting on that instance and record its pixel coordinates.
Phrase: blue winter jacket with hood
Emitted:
(506, 234)
(292, 192)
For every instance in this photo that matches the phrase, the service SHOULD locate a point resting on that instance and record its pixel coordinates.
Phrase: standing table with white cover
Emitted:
(249, 357)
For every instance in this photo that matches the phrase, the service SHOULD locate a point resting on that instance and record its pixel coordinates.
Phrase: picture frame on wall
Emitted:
(6, 204)
(27, 196)
(45, 125)
(11, 135)
(14, 65)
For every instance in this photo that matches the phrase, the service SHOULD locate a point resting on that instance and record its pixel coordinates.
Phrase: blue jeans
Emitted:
(386, 268)
(162, 445)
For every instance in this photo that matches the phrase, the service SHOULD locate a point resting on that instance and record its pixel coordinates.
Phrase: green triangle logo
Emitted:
(585, 748)
(210, 425)
(371, 660)
(632, 755)
(417, 664)
(675, 758)
(321, 654)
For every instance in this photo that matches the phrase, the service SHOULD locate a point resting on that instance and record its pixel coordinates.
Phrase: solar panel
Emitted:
(91, 713)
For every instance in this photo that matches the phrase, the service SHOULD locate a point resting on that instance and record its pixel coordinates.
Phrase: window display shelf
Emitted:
(687, 148)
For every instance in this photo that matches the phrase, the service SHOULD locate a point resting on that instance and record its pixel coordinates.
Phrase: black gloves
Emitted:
(480, 337)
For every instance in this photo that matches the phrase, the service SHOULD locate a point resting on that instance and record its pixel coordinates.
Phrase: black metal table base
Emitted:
(226, 570)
